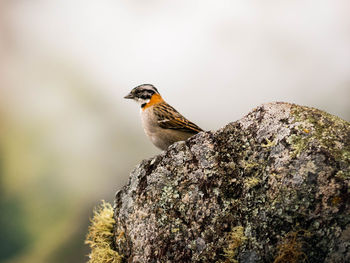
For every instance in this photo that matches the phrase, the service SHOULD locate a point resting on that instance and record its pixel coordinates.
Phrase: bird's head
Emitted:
(144, 94)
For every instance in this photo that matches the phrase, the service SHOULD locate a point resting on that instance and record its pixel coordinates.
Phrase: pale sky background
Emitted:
(212, 60)
(70, 139)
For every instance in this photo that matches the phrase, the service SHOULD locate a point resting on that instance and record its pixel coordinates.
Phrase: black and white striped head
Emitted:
(142, 93)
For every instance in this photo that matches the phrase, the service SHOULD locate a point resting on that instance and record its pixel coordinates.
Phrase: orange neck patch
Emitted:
(155, 99)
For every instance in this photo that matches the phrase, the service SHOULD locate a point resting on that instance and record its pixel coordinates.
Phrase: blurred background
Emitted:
(68, 139)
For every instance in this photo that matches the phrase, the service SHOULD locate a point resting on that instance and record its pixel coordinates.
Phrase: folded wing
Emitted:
(169, 118)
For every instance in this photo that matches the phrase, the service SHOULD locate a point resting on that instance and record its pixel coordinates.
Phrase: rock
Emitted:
(271, 187)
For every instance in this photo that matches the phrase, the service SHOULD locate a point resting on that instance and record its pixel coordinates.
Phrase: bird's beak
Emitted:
(129, 96)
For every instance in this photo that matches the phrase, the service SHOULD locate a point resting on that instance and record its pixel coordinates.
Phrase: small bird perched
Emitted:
(161, 122)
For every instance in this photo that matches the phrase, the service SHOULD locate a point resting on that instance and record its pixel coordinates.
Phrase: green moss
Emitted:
(234, 240)
(100, 236)
(318, 125)
(298, 143)
(251, 166)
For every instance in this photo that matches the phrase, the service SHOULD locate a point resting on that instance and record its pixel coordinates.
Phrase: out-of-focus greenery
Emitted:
(56, 164)
(14, 233)
(37, 214)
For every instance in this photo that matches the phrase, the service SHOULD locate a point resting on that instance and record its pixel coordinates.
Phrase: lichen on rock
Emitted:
(238, 194)
(100, 236)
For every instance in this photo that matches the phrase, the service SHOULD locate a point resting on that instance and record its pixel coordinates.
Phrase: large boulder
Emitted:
(271, 187)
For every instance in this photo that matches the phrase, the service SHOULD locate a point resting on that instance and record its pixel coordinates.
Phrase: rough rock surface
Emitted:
(271, 187)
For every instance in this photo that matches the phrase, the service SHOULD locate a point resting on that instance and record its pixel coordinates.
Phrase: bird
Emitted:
(161, 122)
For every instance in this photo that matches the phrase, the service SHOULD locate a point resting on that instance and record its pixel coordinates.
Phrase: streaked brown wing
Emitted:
(169, 118)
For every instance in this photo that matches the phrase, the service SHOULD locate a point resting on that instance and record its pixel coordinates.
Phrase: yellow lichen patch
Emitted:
(121, 235)
(269, 143)
(235, 239)
(100, 236)
(250, 182)
(306, 130)
(249, 165)
(290, 250)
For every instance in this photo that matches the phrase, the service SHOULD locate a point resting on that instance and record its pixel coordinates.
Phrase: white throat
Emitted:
(142, 101)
